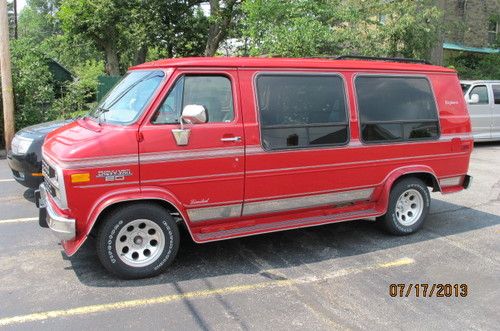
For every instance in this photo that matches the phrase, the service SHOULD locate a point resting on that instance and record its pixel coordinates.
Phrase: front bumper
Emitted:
(26, 169)
(61, 226)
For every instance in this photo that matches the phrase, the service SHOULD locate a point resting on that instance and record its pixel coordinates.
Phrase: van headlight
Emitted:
(54, 179)
(20, 145)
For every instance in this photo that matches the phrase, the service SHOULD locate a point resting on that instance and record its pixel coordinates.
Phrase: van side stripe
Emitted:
(276, 205)
(210, 213)
(209, 153)
(257, 149)
(328, 166)
(167, 156)
(191, 155)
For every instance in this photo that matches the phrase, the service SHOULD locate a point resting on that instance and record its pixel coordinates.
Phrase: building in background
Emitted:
(468, 26)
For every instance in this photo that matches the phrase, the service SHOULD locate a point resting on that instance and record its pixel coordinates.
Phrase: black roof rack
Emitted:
(394, 59)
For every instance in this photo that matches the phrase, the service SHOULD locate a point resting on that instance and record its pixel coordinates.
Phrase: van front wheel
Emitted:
(409, 203)
(137, 241)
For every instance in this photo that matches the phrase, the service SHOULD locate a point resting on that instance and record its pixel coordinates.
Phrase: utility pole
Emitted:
(15, 18)
(5, 72)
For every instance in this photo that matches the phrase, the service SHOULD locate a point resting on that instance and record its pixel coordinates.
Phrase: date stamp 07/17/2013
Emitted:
(427, 290)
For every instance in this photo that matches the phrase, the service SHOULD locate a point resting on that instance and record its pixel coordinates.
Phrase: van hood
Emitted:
(86, 139)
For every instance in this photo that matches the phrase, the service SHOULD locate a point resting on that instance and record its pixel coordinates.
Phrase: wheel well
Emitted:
(109, 209)
(426, 177)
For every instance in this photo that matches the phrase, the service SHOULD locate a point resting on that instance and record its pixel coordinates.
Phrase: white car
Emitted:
(483, 102)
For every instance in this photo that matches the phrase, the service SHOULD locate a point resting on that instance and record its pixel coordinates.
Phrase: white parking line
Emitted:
(19, 220)
(7, 180)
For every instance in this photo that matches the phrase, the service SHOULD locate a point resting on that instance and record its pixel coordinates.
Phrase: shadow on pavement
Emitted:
(285, 249)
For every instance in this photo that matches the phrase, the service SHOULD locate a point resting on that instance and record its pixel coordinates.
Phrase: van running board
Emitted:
(283, 225)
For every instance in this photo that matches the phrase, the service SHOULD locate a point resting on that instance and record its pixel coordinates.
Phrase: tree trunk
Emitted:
(112, 59)
(140, 56)
(220, 22)
(6, 73)
(213, 40)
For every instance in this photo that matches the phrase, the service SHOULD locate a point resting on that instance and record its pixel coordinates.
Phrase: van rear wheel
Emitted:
(409, 203)
(137, 241)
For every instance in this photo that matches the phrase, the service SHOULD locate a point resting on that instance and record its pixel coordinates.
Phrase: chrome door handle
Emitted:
(231, 139)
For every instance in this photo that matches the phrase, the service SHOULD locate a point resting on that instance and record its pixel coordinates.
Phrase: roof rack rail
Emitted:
(395, 59)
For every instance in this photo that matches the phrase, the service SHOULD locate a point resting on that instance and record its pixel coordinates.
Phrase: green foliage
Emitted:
(476, 66)
(79, 95)
(38, 97)
(101, 22)
(33, 85)
(37, 20)
(329, 27)
(285, 28)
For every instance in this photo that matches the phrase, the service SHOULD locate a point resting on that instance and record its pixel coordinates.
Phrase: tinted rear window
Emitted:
(396, 108)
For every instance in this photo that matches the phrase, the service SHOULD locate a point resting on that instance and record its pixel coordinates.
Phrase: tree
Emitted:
(334, 27)
(286, 28)
(38, 20)
(222, 14)
(33, 83)
(171, 28)
(102, 22)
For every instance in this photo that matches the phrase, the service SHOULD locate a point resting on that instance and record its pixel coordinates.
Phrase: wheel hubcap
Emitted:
(139, 243)
(409, 207)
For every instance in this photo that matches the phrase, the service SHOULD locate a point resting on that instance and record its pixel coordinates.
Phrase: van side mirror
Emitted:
(194, 114)
(191, 114)
(474, 98)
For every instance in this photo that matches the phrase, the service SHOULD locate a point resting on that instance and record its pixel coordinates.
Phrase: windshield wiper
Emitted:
(101, 111)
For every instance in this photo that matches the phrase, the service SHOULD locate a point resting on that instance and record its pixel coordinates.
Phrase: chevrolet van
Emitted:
(232, 147)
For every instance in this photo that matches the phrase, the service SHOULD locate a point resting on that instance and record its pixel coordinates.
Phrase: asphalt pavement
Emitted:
(336, 276)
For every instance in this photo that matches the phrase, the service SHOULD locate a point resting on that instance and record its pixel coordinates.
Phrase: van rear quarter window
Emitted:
(301, 110)
(396, 109)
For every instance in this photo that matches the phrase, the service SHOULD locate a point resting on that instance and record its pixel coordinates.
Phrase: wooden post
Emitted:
(15, 18)
(5, 72)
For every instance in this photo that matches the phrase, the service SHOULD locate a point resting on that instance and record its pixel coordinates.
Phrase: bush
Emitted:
(37, 99)
(79, 96)
(476, 66)
(33, 84)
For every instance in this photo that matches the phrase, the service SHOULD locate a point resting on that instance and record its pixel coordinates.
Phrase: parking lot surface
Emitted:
(329, 277)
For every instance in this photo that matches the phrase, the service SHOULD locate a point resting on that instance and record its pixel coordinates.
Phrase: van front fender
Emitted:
(119, 196)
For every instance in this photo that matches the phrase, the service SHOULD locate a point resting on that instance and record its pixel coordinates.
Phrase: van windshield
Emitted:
(126, 101)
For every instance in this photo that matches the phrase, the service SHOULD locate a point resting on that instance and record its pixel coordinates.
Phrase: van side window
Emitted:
(298, 111)
(496, 94)
(396, 109)
(213, 92)
(482, 91)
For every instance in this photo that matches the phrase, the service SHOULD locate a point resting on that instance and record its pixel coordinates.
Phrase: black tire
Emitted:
(122, 219)
(392, 221)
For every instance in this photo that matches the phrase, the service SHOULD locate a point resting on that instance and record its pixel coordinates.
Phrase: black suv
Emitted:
(25, 156)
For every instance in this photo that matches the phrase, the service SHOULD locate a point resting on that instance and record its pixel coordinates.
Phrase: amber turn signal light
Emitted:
(80, 178)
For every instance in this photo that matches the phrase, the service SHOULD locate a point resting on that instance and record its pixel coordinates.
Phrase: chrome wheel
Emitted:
(409, 207)
(140, 242)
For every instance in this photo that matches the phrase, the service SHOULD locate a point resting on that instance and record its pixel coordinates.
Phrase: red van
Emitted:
(232, 147)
